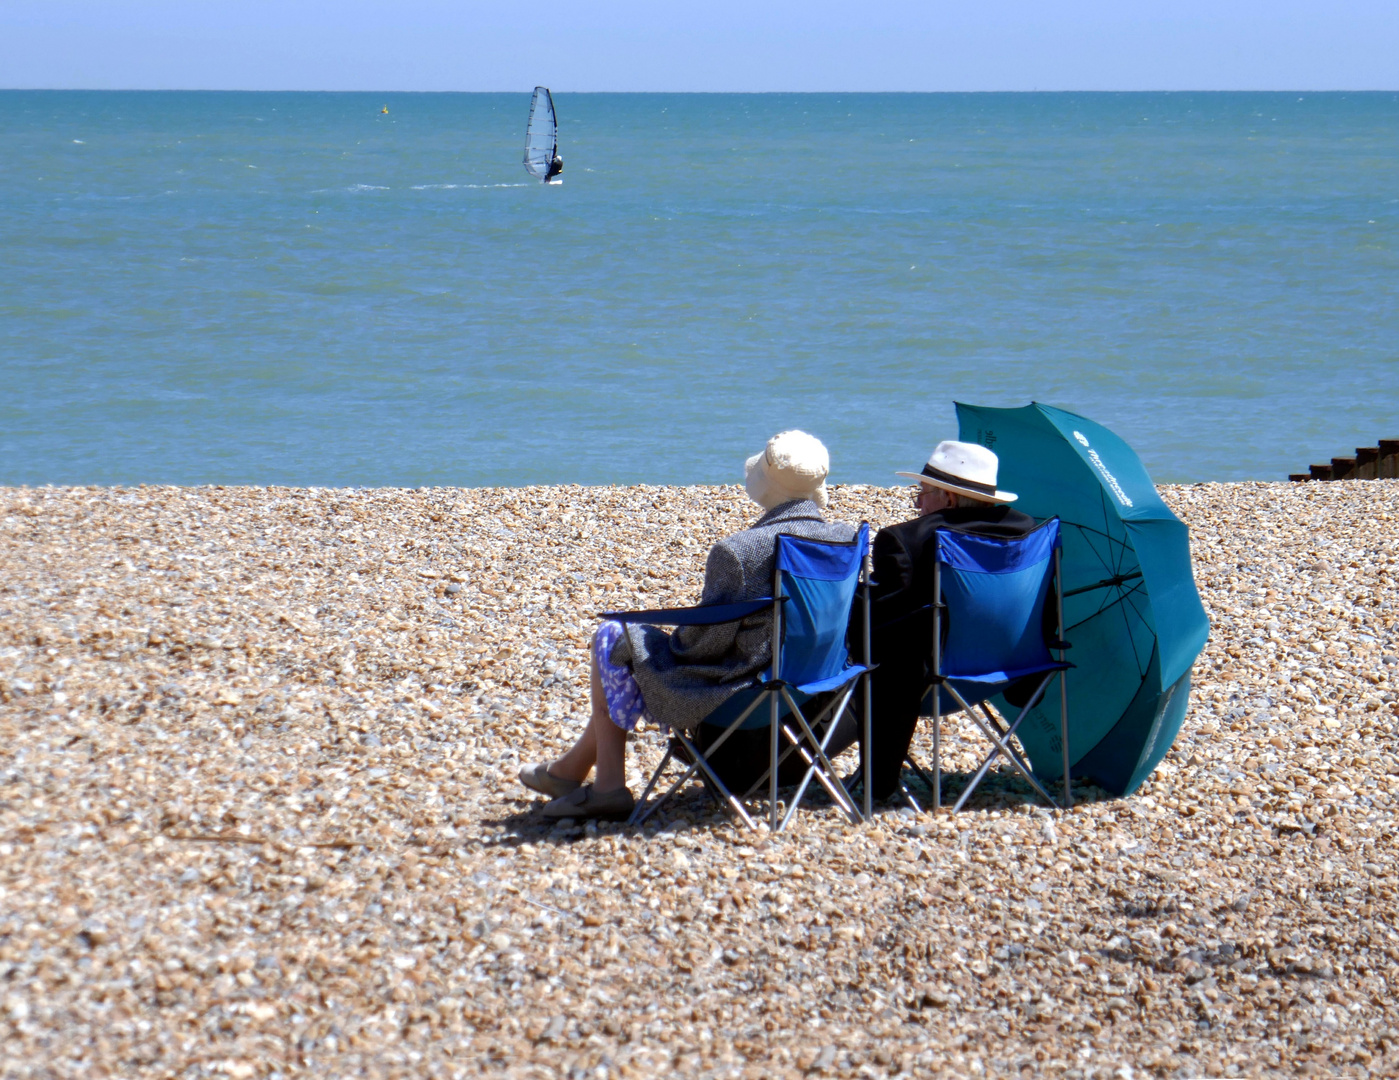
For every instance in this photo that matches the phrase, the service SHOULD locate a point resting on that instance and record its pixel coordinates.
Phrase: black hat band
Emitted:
(957, 481)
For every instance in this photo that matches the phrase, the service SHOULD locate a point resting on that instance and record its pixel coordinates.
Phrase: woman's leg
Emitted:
(611, 753)
(602, 743)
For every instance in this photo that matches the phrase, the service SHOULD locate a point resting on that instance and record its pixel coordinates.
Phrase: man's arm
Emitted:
(891, 564)
(893, 576)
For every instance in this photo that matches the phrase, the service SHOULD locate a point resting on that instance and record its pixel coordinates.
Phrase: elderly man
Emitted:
(956, 491)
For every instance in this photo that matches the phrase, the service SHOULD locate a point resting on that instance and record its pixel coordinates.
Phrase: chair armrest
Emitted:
(702, 615)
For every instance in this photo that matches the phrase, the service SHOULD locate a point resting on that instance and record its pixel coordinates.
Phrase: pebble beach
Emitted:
(259, 815)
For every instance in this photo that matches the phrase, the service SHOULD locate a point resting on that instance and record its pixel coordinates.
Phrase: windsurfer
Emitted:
(555, 167)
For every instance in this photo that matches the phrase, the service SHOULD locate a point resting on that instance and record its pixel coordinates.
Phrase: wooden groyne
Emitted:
(1369, 463)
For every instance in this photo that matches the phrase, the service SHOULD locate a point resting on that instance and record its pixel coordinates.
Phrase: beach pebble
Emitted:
(259, 814)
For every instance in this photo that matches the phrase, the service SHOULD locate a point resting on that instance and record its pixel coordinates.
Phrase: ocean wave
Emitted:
(454, 187)
(352, 187)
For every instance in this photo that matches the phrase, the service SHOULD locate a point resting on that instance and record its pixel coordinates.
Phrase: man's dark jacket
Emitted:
(901, 621)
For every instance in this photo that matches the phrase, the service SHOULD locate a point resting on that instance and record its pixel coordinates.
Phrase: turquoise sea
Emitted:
(301, 289)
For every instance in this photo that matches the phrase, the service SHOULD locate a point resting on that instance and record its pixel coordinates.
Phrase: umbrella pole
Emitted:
(1063, 680)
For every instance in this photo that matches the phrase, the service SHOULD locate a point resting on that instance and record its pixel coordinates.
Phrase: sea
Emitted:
(348, 289)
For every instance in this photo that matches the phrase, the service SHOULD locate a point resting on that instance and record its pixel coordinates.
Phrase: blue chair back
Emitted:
(819, 580)
(995, 591)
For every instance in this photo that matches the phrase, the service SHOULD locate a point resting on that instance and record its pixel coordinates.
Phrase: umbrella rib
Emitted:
(1090, 529)
(1127, 626)
(1108, 606)
(1128, 599)
(1107, 602)
(1107, 522)
(1117, 579)
(1107, 525)
(1103, 605)
(1112, 558)
(1106, 563)
(1110, 561)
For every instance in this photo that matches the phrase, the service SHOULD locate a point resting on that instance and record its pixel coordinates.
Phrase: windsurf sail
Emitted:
(542, 136)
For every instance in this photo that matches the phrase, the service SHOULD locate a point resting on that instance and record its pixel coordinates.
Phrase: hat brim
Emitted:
(1000, 496)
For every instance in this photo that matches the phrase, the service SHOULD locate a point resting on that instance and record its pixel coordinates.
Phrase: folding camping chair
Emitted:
(994, 592)
(814, 586)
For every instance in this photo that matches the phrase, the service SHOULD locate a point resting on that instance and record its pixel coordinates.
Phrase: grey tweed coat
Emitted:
(685, 675)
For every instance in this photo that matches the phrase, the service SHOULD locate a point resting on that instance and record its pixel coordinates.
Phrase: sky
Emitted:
(715, 45)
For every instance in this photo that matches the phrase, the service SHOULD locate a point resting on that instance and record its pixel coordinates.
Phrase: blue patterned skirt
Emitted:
(624, 702)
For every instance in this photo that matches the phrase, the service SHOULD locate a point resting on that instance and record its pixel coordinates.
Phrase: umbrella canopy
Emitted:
(1131, 608)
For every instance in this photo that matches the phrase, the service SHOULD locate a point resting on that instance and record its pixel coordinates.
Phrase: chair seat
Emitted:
(988, 677)
(821, 686)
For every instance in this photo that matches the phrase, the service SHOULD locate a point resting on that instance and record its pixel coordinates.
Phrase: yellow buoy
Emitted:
(386, 108)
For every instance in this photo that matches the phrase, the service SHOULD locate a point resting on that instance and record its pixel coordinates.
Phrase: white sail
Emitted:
(542, 136)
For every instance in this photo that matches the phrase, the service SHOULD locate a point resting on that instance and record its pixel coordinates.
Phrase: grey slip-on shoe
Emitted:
(588, 802)
(537, 777)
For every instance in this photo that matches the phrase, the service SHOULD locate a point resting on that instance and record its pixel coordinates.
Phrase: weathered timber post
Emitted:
(1389, 459)
(1370, 463)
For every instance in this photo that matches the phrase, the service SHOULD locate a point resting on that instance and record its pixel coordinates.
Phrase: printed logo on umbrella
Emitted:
(1103, 469)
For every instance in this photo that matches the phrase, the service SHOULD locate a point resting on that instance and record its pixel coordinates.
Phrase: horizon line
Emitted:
(381, 90)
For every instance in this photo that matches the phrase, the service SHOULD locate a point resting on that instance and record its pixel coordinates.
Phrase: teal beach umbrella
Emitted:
(1131, 609)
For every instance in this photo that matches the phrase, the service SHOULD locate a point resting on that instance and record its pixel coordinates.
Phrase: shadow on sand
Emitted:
(691, 808)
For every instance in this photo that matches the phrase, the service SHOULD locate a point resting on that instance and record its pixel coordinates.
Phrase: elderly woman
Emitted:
(679, 678)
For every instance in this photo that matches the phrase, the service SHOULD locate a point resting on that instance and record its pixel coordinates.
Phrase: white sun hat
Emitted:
(793, 466)
(965, 469)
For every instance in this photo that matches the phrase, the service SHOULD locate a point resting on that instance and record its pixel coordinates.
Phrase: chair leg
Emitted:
(762, 780)
(702, 763)
(817, 762)
(698, 763)
(643, 811)
(836, 791)
(821, 767)
(772, 764)
(650, 787)
(922, 773)
(866, 751)
(908, 798)
(937, 751)
(1064, 735)
(1063, 676)
(1001, 743)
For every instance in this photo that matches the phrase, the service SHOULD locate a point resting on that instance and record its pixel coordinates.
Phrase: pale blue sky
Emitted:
(735, 45)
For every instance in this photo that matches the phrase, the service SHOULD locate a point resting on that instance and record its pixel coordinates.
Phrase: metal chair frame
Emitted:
(797, 729)
(995, 729)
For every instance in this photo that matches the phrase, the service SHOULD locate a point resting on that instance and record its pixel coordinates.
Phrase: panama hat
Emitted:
(964, 469)
(794, 465)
